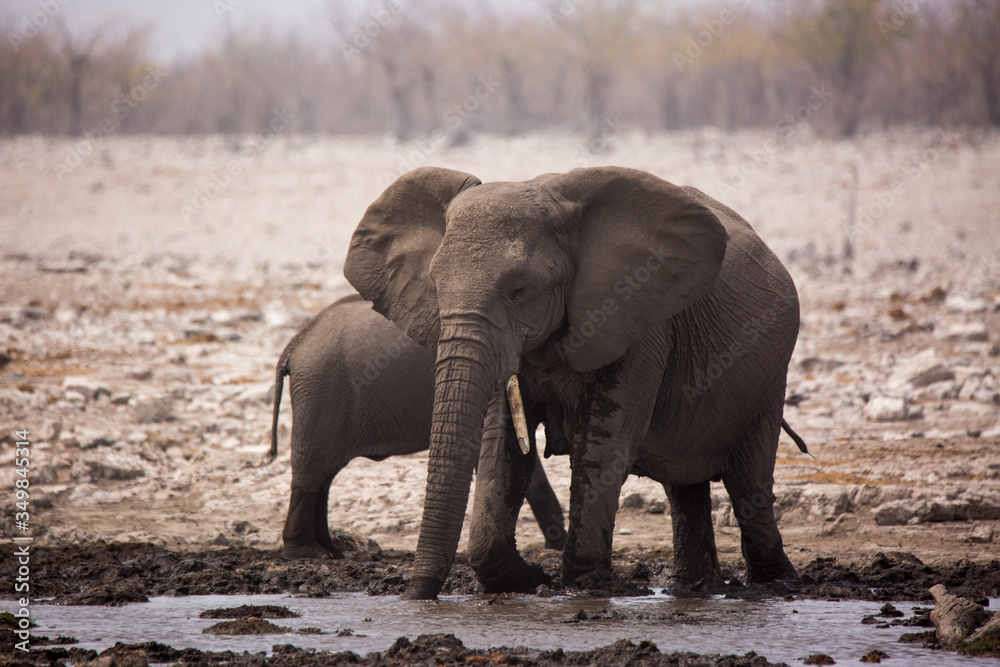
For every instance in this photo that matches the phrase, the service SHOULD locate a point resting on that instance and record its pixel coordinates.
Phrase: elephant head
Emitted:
(567, 269)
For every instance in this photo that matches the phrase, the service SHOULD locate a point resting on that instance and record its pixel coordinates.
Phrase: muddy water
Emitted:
(778, 629)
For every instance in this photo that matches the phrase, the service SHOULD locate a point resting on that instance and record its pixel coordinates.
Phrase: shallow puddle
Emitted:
(777, 629)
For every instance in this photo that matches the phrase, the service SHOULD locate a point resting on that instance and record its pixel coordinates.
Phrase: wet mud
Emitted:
(121, 573)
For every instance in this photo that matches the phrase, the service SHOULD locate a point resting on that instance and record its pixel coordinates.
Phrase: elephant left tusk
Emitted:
(517, 414)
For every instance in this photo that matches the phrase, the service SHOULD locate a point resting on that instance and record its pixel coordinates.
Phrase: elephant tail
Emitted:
(279, 384)
(793, 435)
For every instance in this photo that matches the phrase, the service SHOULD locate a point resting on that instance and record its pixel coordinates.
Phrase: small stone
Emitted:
(544, 591)
(656, 507)
(818, 659)
(632, 501)
(844, 524)
(874, 656)
(244, 528)
(74, 396)
(958, 303)
(143, 374)
(624, 531)
(919, 370)
(981, 534)
(90, 388)
(120, 398)
(885, 408)
(974, 331)
(113, 658)
(152, 410)
(221, 540)
(889, 611)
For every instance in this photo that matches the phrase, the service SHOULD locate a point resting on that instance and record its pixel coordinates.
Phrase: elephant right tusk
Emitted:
(517, 414)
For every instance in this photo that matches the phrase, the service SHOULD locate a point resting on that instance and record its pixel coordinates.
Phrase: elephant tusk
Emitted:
(517, 414)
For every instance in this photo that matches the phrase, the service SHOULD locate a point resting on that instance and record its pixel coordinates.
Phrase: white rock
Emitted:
(120, 398)
(974, 331)
(959, 303)
(277, 315)
(152, 410)
(89, 387)
(73, 396)
(66, 314)
(919, 371)
(885, 408)
(981, 534)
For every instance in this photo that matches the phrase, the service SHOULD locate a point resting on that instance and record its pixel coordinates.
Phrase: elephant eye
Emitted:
(517, 293)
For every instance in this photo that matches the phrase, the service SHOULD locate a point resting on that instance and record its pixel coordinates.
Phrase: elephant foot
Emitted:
(422, 588)
(293, 550)
(780, 569)
(709, 585)
(521, 577)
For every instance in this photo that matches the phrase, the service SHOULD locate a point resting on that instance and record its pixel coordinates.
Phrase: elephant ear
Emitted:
(644, 251)
(389, 258)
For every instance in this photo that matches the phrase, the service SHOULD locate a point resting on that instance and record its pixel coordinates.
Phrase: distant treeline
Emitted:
(445, 69)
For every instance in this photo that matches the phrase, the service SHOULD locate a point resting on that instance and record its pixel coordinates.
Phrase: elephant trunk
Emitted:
(465, 382)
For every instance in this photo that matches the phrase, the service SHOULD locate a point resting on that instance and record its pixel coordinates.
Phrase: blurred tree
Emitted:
(78, 52)
(841, 41)
(979, 28)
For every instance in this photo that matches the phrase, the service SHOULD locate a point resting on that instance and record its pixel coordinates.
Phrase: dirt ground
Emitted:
(147, 292)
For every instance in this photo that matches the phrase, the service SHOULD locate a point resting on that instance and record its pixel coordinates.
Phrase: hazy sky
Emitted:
(182, 26)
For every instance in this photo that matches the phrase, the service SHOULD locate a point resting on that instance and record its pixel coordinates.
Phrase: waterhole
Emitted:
(777, 629)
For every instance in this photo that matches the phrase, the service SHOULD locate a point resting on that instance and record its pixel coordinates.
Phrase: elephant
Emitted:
(360, 387)
(648, 319)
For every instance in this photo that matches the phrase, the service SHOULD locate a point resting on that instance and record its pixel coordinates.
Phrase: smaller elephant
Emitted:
(361, 387)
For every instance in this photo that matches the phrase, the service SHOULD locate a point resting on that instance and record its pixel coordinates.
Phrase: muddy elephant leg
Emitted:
(695, 557)
(502, 477)
(545, 506)
(299, 535)
(750, 482)
(322, 524)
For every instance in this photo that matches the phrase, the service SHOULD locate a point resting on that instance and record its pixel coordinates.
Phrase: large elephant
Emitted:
(360, 387)
(648, 319)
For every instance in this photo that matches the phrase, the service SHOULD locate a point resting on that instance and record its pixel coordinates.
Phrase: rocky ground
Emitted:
(146, 297)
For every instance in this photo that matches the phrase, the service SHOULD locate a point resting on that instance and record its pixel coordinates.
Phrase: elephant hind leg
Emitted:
(695, 557)
(300, 537)
(545, 506)
(750, 481)
(323, 537)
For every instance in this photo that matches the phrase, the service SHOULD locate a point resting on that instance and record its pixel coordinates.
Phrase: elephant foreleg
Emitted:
(502, 478)
(695, 557)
